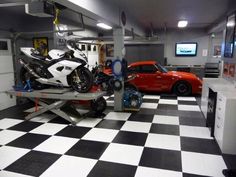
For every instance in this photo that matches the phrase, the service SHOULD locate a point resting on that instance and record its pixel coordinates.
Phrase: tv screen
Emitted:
(186, 49)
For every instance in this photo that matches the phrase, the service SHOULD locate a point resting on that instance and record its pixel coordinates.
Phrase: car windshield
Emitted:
(161, 68)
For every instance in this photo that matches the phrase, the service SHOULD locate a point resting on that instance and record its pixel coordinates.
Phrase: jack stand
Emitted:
(25, 88)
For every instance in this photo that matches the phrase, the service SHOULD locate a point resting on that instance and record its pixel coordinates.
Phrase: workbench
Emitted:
(55, 100)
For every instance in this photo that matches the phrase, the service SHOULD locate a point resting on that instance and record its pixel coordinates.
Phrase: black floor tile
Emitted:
(169, 97)
(167, 107)
(146, 111)
(88, 149)
(59, 120)
(167, 112)
(16, 112)
(28, 141)
(199, 145)
(110, 99)
(110, 124)
(146, 100)
(162, 159)
(200, 122)
(192, 114)
(187, 102)
(192, 175)
(26, 126)
(230, 161)
(165, 129)
(108, 169)
(33, 163)
(73, 131)
(141, 117)
(132, 138)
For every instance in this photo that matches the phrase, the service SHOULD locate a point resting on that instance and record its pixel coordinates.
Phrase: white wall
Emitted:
(186, 35)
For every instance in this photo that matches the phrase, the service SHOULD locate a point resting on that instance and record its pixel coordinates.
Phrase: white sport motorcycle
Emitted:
(59, 68)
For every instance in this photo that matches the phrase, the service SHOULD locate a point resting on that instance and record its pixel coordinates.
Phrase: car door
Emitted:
(148, 78)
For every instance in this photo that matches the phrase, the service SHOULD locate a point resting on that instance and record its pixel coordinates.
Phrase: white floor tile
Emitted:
(100, 134)
(155, 97)
(193, 131)
(110, 102)
(48, 129)
(120, 153)
(170, 142)
(82, 111)
(166, 101)
(134, 126)
(12, 174)
(149, 105)
(6, 136)
(202, 164)
(8, 155)
(161, 119)
(88, 122)
(44, 118)
(186, 98)
(57, 144)
(155, 172)
(7, 123)
(189, 108)
(117, 116)
(106, 97)
(70, 166)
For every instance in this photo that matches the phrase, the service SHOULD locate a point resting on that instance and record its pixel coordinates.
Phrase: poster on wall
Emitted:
(217, 51)
(110, 50)
(226, 69)
(231, 70)
(41, 44)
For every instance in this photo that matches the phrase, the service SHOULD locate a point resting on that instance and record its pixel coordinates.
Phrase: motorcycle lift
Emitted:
(55, 100)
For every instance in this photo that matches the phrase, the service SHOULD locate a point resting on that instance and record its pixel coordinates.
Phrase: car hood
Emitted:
(182, 74)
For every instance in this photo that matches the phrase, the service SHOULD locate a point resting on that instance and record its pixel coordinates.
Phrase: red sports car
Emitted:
(151, 76)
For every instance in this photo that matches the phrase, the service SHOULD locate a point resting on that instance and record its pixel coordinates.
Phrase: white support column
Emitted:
(118, 35)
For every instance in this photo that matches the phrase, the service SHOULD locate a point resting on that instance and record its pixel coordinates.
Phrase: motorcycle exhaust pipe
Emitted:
(28, 68)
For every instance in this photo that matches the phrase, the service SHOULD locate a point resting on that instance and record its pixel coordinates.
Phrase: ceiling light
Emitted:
(230, 24)
(182, 23)
(104, 26)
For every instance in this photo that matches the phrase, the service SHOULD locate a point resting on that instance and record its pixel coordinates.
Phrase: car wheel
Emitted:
(182, 88)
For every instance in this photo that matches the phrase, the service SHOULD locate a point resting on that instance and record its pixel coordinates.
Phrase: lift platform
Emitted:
(55, 100)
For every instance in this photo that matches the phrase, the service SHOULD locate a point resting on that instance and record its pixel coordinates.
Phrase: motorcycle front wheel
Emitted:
(81, 80)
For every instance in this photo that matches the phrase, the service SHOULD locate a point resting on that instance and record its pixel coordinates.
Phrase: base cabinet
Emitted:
(225, 122)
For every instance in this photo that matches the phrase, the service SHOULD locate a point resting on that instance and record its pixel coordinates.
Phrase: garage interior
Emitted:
(117, 88)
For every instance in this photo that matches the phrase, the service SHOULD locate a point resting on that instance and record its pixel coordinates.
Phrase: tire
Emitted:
(129, 86)
(24, 75)
(99, 105)
(182, 88)
(134, 101)
(81, 80)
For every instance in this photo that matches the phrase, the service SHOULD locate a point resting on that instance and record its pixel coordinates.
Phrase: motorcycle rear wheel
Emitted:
(81, 80)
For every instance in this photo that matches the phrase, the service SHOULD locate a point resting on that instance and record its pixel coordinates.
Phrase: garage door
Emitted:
(6, 74)
(140, 52)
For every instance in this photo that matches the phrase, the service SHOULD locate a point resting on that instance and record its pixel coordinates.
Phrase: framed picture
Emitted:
(41, 44)
(231, 69)
(110, 50)
(217, 51)
(226, 69)
(229, 37)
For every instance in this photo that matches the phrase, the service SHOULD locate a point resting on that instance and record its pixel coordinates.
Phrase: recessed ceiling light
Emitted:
(104, 26)
(182, 23)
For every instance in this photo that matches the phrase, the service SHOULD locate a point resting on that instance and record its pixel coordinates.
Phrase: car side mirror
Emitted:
(158, 72)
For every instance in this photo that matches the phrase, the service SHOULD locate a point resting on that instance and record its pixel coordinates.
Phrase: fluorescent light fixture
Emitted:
(104, 26)
(230, 24)
(182, 23)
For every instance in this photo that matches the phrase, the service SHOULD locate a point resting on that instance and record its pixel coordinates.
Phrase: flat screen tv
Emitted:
(188, 49)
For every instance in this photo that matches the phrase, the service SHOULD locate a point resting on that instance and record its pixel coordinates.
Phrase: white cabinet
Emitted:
(225, 122)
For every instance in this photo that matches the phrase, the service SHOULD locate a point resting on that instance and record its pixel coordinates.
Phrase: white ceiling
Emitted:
(199, 13)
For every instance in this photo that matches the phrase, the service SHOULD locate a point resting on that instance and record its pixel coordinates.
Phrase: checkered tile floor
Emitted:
(166, 138)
